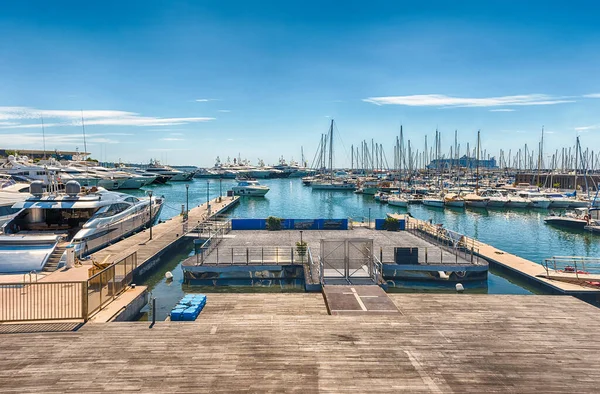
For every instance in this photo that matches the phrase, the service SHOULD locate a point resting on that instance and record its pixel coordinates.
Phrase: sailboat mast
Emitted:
(477, 173)
(331, 149)
(43, 136)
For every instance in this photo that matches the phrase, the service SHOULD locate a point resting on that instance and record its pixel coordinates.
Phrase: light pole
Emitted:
(301, 237)
(369, 217)
(207, 199)
(187, 199)
(151, 221)
(220, 192)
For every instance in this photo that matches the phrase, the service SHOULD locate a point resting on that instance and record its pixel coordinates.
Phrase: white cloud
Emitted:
(440, 100)
(204, 100)
(588, 128)
(165, 150)
(592, 95)
(91, 117)
(502, 110)
(171, 139)
(224, 110)
(175, 133)
(17, 140)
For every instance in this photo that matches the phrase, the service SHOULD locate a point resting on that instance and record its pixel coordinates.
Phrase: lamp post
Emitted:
(369, 217)
(207, 199)
(220, 192)
(187, 199)
(151, 221)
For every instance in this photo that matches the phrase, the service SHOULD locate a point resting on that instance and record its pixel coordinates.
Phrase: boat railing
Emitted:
(457, 244)
(579, 267)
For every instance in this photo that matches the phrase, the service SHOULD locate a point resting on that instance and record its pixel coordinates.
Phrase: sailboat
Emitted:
(332, 183)
(474, 200)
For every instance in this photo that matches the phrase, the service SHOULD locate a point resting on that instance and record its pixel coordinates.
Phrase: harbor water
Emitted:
(521, 232)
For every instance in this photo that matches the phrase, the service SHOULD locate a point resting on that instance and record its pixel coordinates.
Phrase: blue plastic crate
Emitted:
(176, 314)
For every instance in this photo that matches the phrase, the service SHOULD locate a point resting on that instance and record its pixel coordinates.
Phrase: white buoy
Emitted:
(459, 288)
(168, 275)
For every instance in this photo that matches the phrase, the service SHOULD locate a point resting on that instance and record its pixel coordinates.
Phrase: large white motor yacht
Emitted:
(85, 219)
(249, 187)
(173, 175)
(11, 192)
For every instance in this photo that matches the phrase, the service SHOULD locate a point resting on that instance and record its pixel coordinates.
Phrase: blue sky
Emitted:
(184, 82)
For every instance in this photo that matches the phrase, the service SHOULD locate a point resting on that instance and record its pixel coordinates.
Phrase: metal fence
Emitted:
(107, 284)
(65, 300)
(459, 245)
(579, 266)
(42, 301)
(259, 255)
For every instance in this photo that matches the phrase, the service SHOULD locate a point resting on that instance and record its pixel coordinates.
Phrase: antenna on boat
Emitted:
(84, 143)
(43, 136)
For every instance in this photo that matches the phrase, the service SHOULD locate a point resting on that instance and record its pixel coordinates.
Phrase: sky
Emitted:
(185, 82)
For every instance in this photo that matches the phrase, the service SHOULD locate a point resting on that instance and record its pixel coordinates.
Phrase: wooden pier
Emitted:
(287, 342)
(533, 273)
(163, 234)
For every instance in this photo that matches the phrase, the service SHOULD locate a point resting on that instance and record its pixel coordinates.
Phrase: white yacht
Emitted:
(129, 180)
(84, 219)
(11, 192)
(515, 201)
(398, 201)
(249, 187)
(433, 201)
(558, 200)
(333, 185)
(497, 200)
(536, 199)
(173, 175)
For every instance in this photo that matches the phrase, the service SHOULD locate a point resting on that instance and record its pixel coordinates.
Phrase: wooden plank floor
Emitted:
(354, 300)
(438, 343)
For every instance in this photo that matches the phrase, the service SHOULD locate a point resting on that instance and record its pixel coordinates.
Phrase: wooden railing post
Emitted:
(84, 300)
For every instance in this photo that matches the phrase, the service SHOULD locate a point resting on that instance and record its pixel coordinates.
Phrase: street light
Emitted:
(220, 193)
(207, 199)
(151, 221)
(187, 199)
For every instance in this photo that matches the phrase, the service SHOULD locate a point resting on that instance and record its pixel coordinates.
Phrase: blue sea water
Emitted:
(522, 232)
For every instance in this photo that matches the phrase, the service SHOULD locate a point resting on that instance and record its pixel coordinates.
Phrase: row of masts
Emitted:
(369, 157)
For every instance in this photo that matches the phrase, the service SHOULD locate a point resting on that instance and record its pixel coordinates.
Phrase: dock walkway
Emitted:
(163, 234)
(530, 271)
(436, 343)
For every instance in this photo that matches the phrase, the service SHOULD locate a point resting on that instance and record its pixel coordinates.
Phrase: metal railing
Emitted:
(577, 265)
(460, 247)
(42, 301)
(258, 255)
(104, 286)
(214, 235)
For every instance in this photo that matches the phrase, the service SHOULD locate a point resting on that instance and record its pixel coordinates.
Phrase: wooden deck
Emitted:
(527, 269)
(256, 343)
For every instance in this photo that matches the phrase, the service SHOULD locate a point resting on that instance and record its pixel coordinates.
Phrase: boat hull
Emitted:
(251, 192)
(566, 222)
(455, 204)
(477, 204)
(433, 203)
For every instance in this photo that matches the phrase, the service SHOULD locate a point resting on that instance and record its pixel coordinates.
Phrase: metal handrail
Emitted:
(458, 248)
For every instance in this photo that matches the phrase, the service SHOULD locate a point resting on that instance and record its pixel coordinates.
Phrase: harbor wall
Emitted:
(291, 224)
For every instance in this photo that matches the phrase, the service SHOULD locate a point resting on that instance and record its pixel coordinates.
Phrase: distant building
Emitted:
(39, 154)
(466, 162)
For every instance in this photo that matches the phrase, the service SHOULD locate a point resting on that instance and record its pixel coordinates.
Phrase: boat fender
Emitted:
(459, 288)
(587, 219)
(168, 275)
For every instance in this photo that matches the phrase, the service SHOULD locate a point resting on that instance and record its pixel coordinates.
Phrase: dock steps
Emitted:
(52, 263)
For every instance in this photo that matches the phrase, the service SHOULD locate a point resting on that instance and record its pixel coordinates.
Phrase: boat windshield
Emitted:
(111, 210)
